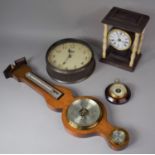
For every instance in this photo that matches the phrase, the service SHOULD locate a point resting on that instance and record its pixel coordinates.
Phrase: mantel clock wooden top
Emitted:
(125, 19)
(122, 38)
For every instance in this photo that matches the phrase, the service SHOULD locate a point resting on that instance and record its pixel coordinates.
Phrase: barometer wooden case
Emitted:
(81, 116)
(122, 38)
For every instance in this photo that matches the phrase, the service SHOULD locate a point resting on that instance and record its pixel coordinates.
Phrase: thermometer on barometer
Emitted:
(81, 116)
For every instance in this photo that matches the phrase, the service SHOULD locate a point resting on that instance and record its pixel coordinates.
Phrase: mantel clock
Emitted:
(122, 38)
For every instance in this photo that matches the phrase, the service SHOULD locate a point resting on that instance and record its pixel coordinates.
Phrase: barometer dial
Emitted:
(117, 93)
(84, 113)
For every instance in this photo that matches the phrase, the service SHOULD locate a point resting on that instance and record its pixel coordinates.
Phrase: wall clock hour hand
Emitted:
(68, 57)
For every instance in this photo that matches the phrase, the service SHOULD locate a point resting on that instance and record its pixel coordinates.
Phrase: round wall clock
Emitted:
(70, 60)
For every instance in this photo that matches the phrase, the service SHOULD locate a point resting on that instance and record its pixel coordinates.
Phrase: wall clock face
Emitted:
(70, 60)
(119, 39)
(70, 56)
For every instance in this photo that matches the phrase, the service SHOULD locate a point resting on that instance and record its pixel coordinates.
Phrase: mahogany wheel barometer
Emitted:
(81, 115)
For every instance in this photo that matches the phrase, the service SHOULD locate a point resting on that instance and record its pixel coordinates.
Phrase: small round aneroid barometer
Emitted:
(84, 113)
(117, 93)
(70, 60)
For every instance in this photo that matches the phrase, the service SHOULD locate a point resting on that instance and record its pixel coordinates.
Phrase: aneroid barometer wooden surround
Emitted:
(82, 116)
(122, 38)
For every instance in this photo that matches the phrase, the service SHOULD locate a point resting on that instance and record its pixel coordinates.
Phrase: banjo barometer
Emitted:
(81, 116)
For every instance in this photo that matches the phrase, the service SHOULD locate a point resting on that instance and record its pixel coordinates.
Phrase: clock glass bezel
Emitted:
(123, 31)
(68, 40)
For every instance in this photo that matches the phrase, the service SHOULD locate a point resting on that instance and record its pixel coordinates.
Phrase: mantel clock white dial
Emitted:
(119, 39)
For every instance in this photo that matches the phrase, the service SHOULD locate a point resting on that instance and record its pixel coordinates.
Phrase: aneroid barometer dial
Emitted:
(84, 113)
(119, 39)
(70, 60)
(117, 93)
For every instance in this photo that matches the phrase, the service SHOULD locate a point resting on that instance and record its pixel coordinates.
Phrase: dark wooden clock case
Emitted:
(131, 22)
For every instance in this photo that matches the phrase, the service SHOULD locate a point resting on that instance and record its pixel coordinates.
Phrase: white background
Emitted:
(28, 28)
